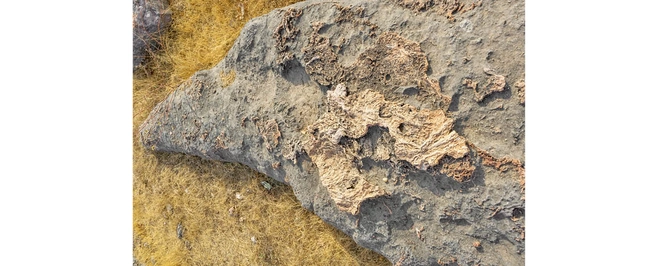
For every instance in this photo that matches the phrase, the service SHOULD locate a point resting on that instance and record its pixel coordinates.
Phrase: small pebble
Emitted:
(179, 231)
(266, 185)
(385, 179)
(253, 239)
(238, 196)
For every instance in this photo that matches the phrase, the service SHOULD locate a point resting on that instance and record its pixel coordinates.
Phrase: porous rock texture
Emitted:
(395, 121)
(150, 19)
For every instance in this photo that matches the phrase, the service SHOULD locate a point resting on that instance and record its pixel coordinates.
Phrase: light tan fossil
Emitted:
(495, 83)
(422, 138)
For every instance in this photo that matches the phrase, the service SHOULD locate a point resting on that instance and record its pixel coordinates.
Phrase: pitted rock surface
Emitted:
(394, 121)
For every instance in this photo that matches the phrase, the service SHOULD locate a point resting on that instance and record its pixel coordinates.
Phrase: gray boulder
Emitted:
(150, 19)
(399, 122)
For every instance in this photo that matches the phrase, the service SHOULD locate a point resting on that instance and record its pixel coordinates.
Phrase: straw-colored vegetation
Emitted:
(189, 211)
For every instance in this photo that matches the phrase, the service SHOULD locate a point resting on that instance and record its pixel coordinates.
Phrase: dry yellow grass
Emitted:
(173, 191)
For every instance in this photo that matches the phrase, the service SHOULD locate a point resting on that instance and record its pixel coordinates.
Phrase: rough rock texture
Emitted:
(150, 19)
(394, 121)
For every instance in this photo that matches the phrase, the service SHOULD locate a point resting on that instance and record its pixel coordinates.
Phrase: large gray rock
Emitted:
(150, 19)
(399, 122)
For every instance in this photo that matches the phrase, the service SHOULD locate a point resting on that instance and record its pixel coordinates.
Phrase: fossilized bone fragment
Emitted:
(422, 138)
(338, 173)
(495, 83)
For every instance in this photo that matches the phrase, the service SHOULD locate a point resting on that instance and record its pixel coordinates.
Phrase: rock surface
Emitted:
(150, 19)
(395, 121)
